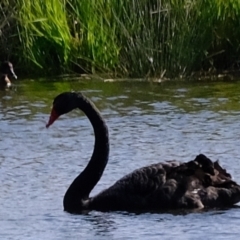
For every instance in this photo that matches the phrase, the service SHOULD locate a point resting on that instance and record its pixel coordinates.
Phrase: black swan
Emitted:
(196, 184)
(6, 71)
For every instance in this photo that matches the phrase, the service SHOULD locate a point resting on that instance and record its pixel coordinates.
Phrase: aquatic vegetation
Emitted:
(127, 38)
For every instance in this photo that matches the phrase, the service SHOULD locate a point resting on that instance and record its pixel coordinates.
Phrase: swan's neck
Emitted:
(83, 184)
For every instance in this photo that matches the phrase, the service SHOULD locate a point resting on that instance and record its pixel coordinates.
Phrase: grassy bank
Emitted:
(139, 38)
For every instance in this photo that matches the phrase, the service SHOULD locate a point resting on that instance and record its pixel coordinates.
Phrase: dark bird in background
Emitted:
(6, 72)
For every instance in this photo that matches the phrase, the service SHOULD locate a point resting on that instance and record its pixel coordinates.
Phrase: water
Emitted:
(148, 123)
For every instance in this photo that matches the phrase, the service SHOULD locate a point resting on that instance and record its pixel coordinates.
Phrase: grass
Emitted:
(140, 38)
(44, 34)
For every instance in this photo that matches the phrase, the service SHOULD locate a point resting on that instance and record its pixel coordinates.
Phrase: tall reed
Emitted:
(44, 34)
(137, 38)
(8, 38)
(94, 35)
(173, 37)
(177, 37)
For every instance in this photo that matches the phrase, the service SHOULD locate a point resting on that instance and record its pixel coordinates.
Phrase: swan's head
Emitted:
(62, 104)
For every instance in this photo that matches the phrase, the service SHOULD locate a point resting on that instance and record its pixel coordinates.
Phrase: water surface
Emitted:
(148, 123)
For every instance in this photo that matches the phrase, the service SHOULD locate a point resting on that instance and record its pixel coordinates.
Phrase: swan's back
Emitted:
(200, 183)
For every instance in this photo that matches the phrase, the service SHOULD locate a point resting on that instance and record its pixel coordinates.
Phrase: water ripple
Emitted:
(146, 125)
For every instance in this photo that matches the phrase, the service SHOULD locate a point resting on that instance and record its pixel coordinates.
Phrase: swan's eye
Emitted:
(60, 107)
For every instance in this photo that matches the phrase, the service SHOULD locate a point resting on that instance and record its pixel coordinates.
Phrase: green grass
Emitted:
(94, 35)
(134, 38)
(44, 34)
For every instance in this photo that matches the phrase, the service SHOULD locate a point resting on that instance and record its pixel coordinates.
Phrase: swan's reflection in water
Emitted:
(102, 224)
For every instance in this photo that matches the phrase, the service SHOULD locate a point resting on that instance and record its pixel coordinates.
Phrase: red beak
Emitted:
(53, 116)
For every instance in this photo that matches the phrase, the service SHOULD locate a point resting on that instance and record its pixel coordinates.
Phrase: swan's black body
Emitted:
(196, 184)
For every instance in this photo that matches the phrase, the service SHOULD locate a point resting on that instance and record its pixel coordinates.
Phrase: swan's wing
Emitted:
(137, 190)
(142, 181)
(218, 190)
(220, 197)
(167, 186)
